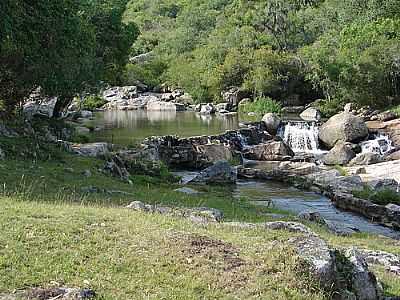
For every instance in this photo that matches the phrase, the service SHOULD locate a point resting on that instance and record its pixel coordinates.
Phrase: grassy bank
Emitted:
(128, 255)
(54, 230)
(53, 175)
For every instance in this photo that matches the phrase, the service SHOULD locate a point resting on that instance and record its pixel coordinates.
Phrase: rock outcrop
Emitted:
(328, 265)
(341, 154)
(270, 151)
(343, 127)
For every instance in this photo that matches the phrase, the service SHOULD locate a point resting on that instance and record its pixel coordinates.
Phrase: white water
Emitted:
(301, 137)
(381, 145)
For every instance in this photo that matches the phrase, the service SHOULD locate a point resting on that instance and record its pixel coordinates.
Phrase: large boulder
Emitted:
(311, 114)
(343, 127)
(270, 151)
(272, 122)
(341, 154)
(219, 173)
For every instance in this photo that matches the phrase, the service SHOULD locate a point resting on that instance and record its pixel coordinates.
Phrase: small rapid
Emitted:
(301, 136)
(380, 144)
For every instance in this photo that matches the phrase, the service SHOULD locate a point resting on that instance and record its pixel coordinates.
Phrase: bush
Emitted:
(262, 105)
(150, 73)
(381, 197)
(93, 102)
(328, 108)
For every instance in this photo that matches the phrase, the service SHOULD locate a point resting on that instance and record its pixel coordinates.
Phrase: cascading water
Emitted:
(381, 144)
(301, 136)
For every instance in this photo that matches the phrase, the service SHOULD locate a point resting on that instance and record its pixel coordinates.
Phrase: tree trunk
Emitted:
(62, 103)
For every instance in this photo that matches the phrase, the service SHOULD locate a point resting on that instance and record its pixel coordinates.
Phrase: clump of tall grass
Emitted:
(261, 105)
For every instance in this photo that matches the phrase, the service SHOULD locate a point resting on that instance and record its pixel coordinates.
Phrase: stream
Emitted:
(131, 127)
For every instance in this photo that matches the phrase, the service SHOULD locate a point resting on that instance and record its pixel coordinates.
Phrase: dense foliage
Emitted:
(63, 46)
(340, 50)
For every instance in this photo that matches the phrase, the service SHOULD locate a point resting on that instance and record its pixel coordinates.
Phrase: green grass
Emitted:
(381, 197)
(129, 255)
(342, 171)
(261, 105)
(396, 110)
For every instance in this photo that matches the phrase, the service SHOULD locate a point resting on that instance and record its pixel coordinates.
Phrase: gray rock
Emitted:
(289, 226)
(87, 173)
(312, 216)
(186, 190)
(220, 172)
(364, 159)
(196, 214)
(270, 151)
(393, 208)
(234, 96)
(380, 258)
(386, 116)
(364, 283)
(139, 206)
(207, 109)
(164, 106)
(86, 114)
(343, 127)
(223, 107)
(2, 155)
(90, 149)
(272, 122)
(205, 214)
(341, 154)
(41, 106)
(350, 107)
(311, 114)
(381, 184)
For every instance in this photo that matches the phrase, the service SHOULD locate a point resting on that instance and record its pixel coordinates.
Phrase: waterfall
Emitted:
(380, 144)
(301, 136)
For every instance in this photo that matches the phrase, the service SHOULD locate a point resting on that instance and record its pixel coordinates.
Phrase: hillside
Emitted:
(291, 51)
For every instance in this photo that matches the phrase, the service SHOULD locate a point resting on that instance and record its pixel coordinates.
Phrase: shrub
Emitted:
(328, 108)
(93, 102)
(381, 197)
(262, 105)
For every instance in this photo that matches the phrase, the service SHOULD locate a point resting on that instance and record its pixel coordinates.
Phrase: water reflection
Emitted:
(131, 127)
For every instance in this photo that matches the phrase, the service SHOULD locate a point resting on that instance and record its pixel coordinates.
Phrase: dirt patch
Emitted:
(215, 249)
(214, 257)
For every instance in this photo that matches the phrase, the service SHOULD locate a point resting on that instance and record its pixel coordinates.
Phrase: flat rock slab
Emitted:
(385, 170)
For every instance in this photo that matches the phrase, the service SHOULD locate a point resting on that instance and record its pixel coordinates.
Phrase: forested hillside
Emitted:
(340, 50)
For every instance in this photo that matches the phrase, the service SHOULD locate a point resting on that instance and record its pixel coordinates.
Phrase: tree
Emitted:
(60, 45)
